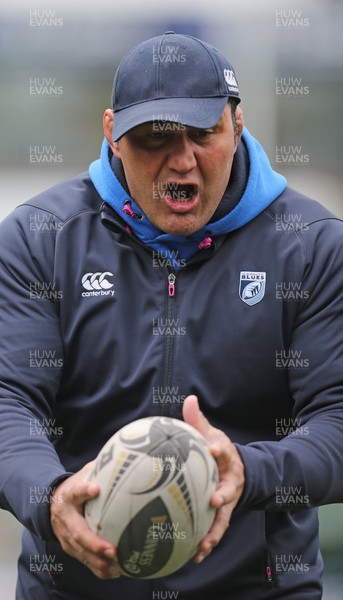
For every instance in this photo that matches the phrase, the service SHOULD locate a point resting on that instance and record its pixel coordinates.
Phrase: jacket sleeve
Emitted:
(30, 369)
(305, 468)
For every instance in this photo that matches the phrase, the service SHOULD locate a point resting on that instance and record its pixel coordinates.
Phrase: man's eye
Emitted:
(201, 133)
(156, 135)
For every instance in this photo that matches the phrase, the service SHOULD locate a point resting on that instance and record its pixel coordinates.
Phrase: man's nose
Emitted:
(181, 157)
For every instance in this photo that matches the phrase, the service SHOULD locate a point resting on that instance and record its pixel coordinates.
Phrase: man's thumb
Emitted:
(193, 415)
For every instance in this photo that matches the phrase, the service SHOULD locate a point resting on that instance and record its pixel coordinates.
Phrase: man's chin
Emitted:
(184, 225)
(184, 231)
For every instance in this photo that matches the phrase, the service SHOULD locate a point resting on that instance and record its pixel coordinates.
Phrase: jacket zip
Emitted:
(269, 573)
(169, 339)
(171, 284)
(268, 570)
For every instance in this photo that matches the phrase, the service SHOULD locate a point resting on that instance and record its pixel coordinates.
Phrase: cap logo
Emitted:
(231, 80)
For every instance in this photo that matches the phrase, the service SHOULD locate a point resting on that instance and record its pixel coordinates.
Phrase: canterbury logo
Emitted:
(231, 80)
(97, 281)
(97, 284)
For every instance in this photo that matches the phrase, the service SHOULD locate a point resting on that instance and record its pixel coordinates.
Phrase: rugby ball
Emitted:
(156, 478)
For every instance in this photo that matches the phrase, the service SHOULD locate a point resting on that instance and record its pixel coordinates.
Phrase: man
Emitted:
(169, 266)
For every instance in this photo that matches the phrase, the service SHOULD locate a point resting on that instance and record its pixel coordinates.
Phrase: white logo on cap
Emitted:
(230, 77)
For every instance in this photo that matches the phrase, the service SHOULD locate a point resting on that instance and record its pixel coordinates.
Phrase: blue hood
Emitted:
(263, 186)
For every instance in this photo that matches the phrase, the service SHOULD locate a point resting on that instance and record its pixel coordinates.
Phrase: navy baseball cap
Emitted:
(172, 77)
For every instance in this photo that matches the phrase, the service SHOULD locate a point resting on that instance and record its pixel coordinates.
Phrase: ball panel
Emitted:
(141, 551)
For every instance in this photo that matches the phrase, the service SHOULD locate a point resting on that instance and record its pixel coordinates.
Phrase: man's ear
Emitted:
(108, 129)
(240, 124)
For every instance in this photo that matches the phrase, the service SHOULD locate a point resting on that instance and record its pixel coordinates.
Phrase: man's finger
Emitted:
(193, 415)
(84, 491)
(213, 537)
(77, 493)
(85, 538)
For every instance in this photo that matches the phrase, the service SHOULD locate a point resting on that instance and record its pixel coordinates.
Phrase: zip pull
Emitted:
(171, 284)
(269, 573)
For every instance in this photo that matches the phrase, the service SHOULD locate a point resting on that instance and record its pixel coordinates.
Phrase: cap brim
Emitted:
(194, 112)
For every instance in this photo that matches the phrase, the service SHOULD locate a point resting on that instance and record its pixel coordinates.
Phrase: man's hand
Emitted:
(75, 536)
(72, 530)
(231, 475)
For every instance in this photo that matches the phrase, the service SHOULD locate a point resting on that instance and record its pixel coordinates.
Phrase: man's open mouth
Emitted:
(181, 198)
(180, 192)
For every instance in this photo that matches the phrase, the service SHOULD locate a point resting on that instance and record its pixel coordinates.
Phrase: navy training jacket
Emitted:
(95, 334)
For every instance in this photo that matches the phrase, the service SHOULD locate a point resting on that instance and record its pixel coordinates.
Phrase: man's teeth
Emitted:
(181, 193)
(179, 198)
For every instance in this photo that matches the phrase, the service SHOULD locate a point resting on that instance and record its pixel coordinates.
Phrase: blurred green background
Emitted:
(288, 59)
